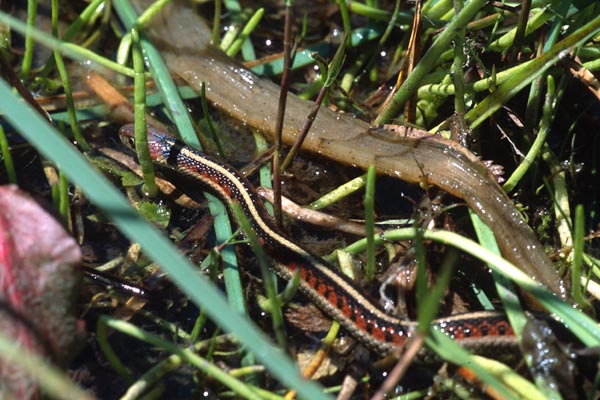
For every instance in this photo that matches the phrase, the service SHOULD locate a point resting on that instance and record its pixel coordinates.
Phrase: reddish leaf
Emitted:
(38, 280)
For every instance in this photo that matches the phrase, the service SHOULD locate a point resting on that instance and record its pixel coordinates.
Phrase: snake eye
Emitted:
(127, 141)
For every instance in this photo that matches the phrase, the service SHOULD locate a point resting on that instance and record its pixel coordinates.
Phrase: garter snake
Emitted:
(333, 293)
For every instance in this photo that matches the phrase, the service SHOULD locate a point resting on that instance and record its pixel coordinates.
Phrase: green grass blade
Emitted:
(100, 191)
(178, 110)
(429, 61)
(580, 324)
(55, 383)
(516, 82)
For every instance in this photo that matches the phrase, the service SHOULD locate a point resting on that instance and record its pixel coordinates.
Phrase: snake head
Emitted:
(126, 134)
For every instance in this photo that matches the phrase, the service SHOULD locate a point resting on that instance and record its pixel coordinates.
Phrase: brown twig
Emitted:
(285, 82)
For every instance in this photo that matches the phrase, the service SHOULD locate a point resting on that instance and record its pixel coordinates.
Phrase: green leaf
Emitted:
(156, 213)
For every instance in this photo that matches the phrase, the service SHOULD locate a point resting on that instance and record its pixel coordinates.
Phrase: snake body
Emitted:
(333, 293)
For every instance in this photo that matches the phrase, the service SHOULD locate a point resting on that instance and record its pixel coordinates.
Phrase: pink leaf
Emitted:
(38, 281)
